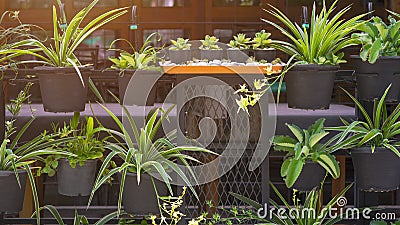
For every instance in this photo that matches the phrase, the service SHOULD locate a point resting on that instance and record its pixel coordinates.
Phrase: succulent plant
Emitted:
(240, 41)
(210, 43)
(261, 40)
(180, 44)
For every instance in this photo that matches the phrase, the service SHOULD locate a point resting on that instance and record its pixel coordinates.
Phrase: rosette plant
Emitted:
(180, 51)
(209, 48)
(63, 79)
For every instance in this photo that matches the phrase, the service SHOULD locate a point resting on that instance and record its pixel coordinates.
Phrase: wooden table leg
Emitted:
(339, 184)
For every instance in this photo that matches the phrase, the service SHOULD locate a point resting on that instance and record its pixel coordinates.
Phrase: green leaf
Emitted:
(314, 139)
(329, 163)
(298, 133)
(374, 52)
(294, 170)
(285, 167)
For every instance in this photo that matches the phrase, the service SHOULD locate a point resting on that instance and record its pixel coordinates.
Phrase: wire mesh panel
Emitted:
(209, 116)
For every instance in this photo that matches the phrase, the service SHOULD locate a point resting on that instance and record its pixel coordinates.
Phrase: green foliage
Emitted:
(209, 43)
(78, 219)
(144, 59)
(311, 210)
(378, 38)
(261, 40)
(12, 38)
(180, 44)
(305, 147)
(328, 34)
(86, 143)
(379, 131)
(67, 36)
(142, 153)
(15, 156)
(240, 41)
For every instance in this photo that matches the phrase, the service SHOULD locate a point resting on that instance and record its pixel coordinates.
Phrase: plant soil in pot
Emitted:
(310, 177)
(142, 199)
(123, 82)
(310, 86)
(265, 54)
(211, 55)
(12, 195)
(373, 79)
(238, 55)
(180, 56)
(62, 89)
(378, 171)
(76, 181)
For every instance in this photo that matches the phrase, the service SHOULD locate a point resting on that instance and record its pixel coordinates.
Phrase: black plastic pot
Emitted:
(310, 177)
(265, 54)
(76, 181)
(142, 199)
(62, 89)
(373, 79)
(180, 56)
(211, 54)
(123, 82)
(12, 195)
(310, 86)
(237, 55)
(378, 171)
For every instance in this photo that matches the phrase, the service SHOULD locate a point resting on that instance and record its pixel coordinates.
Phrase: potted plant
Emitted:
(310, 80)
(262, 48)
(307, 160)
(374, 148)
(239, 48)
(16, 159)
(76, 174)
(143, 157)
(179, 52)
(63, 79)
(209, 49)
(375, 67)
(127, 64)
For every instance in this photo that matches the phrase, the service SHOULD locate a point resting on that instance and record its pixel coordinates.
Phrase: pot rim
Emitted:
(367, 150)
(52, 68)
(380, 57)
(8, 172)
(315, 67)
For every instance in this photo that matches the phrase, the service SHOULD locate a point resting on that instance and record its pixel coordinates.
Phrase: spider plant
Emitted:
(13, 38)
(328, 34)
(67, 36)
(15, 156)
(379, 131)
(148, 155)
